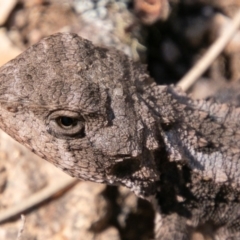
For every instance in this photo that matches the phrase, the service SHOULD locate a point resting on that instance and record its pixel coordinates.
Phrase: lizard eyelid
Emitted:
(66, 124)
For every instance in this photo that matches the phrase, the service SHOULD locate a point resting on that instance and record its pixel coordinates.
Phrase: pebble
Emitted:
(7, 50)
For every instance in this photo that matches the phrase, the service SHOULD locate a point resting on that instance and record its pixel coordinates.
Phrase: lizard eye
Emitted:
(66, 124)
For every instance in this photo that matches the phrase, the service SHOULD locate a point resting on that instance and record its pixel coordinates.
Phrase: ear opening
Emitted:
(125, 168)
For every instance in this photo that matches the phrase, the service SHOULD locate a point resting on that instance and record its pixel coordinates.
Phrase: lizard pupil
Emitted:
(66, 121)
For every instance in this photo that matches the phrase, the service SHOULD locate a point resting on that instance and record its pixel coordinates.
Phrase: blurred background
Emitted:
(169, 36)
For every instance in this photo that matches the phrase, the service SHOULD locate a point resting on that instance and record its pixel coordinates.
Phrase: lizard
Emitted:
(97, 115)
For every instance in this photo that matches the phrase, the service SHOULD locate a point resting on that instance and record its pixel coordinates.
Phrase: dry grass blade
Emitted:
(37, 198)
(216, 48)
(22, 227)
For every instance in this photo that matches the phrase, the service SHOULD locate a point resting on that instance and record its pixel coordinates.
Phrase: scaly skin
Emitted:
(98, 116)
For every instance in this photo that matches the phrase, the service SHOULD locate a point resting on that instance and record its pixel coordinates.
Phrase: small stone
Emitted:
(7, 50)
(83, 6)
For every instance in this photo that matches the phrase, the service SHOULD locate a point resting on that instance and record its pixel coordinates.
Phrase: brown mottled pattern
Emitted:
(98, 116)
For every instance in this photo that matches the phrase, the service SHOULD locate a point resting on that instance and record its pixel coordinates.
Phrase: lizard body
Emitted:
(98, 116)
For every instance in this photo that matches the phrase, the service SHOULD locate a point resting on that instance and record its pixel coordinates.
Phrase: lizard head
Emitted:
(80, 107)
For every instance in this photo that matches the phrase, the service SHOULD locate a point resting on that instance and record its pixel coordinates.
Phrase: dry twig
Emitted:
(37, 198)
(20, 231)
(216, 48)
